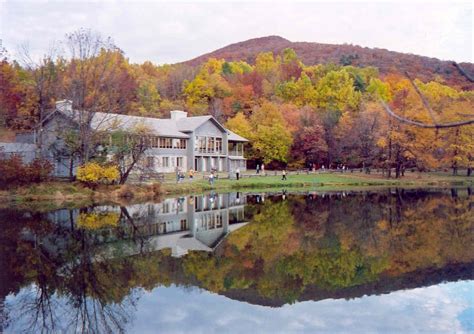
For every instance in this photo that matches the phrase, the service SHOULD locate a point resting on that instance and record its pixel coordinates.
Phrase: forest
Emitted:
(295, 115)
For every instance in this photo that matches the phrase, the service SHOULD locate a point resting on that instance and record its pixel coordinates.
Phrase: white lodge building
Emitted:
(200, 143)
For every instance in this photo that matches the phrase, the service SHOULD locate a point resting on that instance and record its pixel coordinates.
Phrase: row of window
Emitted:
(152, 162)
(159, 142)
(209, 222)
(205, 144)
(153, 141)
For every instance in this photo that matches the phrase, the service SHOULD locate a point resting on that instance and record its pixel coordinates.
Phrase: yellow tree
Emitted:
(458, 145)
(271, 138)
(205, 93)
(240, 125)
(336, 91)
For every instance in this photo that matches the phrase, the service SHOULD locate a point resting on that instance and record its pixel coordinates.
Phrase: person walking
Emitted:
(237, 173)
(191, 174)
(258, 168)
(211, 178)
(263, 169)
(176, 170)
(283, 175)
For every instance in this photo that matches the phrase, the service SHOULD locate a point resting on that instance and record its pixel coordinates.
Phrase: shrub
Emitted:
(14, 172)
(110, 174)
(93, 174)
(96, 221)
(39, 170)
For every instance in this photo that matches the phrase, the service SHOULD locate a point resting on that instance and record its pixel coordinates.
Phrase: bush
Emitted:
(93, 174)
(39, 170)
(14, 172)
(96, 221)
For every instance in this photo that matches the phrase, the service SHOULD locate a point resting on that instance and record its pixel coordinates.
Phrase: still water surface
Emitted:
(392, 261)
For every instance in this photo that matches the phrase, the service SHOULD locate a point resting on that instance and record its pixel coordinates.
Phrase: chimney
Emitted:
(64, 105)
(178, 114)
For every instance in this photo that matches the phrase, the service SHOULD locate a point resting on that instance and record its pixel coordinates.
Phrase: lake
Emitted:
(387, 260)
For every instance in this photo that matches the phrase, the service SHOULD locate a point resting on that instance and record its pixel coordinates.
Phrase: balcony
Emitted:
(236, 153)
(208, 151)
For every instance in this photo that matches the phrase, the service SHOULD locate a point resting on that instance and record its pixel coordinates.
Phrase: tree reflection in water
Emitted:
(84, 270)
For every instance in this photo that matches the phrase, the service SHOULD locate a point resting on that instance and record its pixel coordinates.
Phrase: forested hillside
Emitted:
(298, 106)
(386, 61)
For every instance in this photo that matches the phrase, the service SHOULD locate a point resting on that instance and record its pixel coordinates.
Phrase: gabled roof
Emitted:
(189, 124)
(232, 136)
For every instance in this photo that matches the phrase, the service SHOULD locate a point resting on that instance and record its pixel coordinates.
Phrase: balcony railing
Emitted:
(236, 153)
(208, 151)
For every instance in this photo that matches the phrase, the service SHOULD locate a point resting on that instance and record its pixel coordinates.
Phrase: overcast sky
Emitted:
(166, 32)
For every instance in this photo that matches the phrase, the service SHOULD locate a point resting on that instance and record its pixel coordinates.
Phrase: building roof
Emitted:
(162, 127)
(189, 124)
(235, 137)
(16, 147)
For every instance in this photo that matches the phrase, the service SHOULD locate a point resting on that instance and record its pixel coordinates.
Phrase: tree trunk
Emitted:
(389, 159)
(124, 176)
(71, 168)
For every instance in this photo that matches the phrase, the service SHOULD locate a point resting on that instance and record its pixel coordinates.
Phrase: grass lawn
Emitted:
(318, 180)
(62, 193)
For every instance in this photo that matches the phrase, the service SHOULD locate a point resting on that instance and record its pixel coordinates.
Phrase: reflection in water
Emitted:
(86, 269)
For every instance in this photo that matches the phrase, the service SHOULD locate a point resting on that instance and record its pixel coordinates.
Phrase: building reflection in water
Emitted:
(182, 224)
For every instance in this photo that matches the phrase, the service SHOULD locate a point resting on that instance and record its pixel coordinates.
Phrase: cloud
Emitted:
(435, 309)
(171, 32)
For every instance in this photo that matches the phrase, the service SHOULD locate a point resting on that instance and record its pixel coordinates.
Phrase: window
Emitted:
(150, 162)
(166, 143)
(200, 144)
(166, 162)
(155, 142)
(179, 143)
(219, 145)
(179, 161)
(210, 144)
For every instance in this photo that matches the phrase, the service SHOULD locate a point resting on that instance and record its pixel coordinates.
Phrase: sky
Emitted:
(169, 32)
(442, 308)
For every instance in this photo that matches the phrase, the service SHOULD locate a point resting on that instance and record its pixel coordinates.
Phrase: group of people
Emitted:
(341, 168)
(180, 174)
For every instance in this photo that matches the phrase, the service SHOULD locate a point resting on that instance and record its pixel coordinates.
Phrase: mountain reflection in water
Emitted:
(87, 269)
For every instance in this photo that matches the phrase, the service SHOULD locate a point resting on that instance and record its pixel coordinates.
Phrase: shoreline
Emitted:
(73, 193)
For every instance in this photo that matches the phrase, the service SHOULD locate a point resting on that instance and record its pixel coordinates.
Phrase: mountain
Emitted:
(383, 285)
(424, 68)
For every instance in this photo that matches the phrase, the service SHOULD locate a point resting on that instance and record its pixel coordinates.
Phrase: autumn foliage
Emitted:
(93, 174)
(294, 111)
(14, 172)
